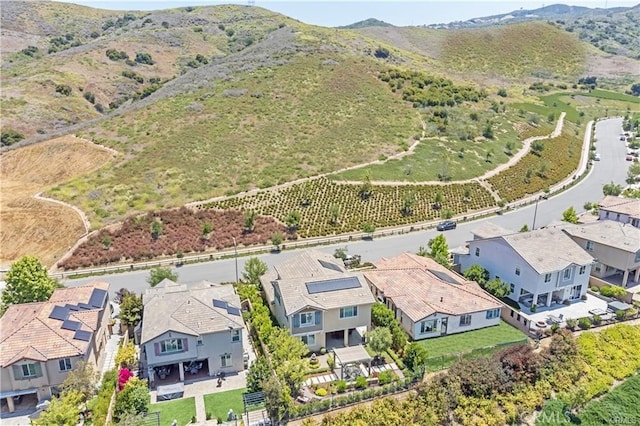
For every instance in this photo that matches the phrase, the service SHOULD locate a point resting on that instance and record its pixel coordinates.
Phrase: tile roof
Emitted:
(28, 332)
(191, 311)
(622, 236)
(421, 287)
(548, 249)
(293, 275)
(629, 206)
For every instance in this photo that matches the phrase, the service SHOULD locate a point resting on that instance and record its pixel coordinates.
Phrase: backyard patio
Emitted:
(559, 314)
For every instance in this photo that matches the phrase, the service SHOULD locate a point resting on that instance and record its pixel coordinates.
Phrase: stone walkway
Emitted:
(111, 349)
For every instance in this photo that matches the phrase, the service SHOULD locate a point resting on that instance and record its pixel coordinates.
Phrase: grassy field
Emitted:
(181, 410)
(260, 129)
(517, 50)
(476, 339)
(36, 227)
(218, 404)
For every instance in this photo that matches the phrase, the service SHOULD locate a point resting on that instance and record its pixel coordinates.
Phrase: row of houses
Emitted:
(197, 330)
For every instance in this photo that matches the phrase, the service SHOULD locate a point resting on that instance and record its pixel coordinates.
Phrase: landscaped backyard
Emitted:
(443, 350)
(181, 410)
(218, 404)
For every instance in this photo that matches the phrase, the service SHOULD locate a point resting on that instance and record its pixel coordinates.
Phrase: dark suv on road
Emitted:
(446, 225)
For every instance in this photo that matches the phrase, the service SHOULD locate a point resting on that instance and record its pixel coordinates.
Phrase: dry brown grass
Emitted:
(29, 226)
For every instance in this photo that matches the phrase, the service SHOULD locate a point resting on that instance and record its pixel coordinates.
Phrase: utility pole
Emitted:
(235, 249)
(535, 213)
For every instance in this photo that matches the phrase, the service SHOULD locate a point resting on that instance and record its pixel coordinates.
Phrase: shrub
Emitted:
(386, 377)
(584, 323)
(144, 58)
(612, 291)
(571, 323)
(595, 289)
(361, 382)
(330, 361)
(321, 392)
(341, 386)
(9, 137)
(597, 319)
(323, 350)
(89, 97)
(64, 89)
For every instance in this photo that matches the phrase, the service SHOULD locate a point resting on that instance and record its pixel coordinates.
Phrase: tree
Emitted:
(415, 358)
(83, 379)
(407, 204)
(439, 250)
(293, 220)
(156, 229)
(381, 316)
(276, 240)
(497, 287)
(126, 356)
(570, 215)
(366, 188)
(398, 337)
(156, 275)
(477, 273)
(131, 309)
(334, 211)
(537, 147)
(509, 147)
(438, 199)
(368, 228)
(633, 173)
(134, 398)
(258, 373)
(62, 411)
(489, 155)
(380, 339)
(488, 131)
(254, 268)
(635, 89)
(277, 399)
(611, 189)
(249, 221)
(207, 228)
(27, 281)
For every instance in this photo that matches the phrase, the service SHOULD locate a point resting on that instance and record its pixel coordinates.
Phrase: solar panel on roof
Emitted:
(70, 325)
(71, 307)
(97, 298)
(333, 285)
(444, 276)
(85, 306)
(330, 265)
(219, 304)
(83, 335)
(59, 312)
(232, 310)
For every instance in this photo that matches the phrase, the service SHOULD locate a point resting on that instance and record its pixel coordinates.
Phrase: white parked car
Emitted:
(597, 157)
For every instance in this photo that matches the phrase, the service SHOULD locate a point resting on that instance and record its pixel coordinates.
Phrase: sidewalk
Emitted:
(111, 349)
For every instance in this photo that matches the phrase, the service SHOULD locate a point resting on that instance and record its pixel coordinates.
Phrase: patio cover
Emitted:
(352, 354)
(167, 392)
(9, 394)
(618, 306)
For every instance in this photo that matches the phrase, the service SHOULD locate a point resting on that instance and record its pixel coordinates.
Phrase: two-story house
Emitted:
(430, 300)
(41, 342)
(188, 331)
(619, 209)
(542, 267)
(314, 296)
(616, 247)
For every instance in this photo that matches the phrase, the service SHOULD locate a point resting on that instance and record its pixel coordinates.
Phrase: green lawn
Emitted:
(218, 404)
(181, 410)
(476, 339)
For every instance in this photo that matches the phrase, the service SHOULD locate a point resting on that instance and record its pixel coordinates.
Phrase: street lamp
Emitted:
(235, 249)
(535, 213)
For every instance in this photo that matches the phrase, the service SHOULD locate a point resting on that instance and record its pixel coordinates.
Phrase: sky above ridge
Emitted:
(336, 13)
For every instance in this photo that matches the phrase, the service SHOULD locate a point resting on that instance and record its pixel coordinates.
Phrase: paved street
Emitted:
(611, 168)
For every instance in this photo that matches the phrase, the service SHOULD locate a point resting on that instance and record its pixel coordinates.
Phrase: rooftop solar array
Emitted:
(444, 276)
(221, 304)
(70, 325)
(98, 297)
(61, 313)
(232, 310)
(329, 265)
(85, 336)
(333, 285)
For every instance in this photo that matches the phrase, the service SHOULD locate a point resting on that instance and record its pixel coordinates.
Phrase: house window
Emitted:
(582, 270)
(617, 216)
(350, 312)
(225, 360)
(199, 341)
(29, 370)
(309, 339)
(478, 251)
(465, 320)
(547, 278)
(512, 288)
(491, 314)
(171, 345)
(598, 269)
(428, 326)
(566, 275)
(637, 257)
(517, 271)
(235, 335)
(307, 319)
(607, 215)
(589, 245)
(64, 364)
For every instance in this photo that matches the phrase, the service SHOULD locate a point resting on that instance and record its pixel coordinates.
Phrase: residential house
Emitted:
(430, 300)
(196, 329)
(42, 341)
(615, 246)
(314, 296)
(619, 209)
(542, 267)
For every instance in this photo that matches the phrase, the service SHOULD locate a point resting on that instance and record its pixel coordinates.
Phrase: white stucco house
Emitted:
(542, 267)
(195, 331)
(619, 209)
(430, 300)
